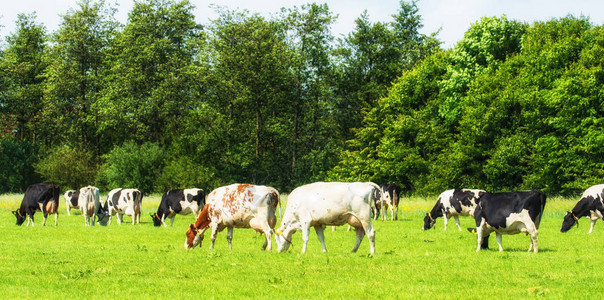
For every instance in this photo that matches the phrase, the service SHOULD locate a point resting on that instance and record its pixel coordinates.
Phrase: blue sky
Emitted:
(452, 16)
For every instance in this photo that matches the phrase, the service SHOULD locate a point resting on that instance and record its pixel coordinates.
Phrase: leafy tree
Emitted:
(75, 74)
(17, 158)
(148, 88)
(69, 167)
(22, 65)
(131, 166)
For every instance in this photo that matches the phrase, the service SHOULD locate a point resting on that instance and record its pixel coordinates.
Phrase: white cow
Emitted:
(124, 202)
(328, 203)
(71, 200)
(89, 204)
(236, 206)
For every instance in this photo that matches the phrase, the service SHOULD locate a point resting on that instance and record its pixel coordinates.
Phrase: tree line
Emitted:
(163, 102)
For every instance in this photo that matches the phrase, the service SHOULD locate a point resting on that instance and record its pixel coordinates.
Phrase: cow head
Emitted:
(570, 219)
(102, 216)
(428, 222)
(283, 240)
(194, 237)
(20, 217)
(156, 220)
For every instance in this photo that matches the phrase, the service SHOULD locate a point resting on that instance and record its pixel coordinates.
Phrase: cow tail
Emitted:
(377, 193)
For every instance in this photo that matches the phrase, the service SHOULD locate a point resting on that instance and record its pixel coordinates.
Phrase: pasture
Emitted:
(144, 261)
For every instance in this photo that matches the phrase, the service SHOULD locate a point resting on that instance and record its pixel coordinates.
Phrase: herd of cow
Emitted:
(314, 205)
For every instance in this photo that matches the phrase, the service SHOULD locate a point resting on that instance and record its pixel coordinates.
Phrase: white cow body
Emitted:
(322, 204)
(124, 202)
(89, 204)
(236, 206)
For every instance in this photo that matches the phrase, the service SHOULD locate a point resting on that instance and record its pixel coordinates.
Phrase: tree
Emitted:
(75, 75)
(22, 66)
(148, 87)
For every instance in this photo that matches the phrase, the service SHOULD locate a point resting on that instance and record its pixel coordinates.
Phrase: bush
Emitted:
(17, 159)
(67, 166)
(131, 166)
(184, 173)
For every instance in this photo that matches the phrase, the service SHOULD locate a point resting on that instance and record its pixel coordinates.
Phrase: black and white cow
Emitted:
(71, 200)
(453, 203)
(590, 205)
(42, 197)
(389, 199)
(509, 213)
(182, 202)
(124, 202)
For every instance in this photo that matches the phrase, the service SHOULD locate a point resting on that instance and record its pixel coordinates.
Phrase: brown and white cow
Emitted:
(236, 206)
(323, 204)
(124, 202)
(89, 204)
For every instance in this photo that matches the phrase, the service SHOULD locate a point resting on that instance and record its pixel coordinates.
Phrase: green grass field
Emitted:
(142, 261)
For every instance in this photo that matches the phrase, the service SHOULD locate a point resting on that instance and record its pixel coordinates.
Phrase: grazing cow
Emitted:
(71, 200)
(42, 197)
(124, 202)
(182, 202)
(328, 203)
(236, 206)
(389, 200)
(590, 205)
(453, 203)
(89, 204)
(509, 213)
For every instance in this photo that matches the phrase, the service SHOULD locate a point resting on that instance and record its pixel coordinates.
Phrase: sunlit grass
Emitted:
(144, 261)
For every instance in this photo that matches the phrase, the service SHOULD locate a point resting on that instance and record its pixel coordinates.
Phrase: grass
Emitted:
(143, 261)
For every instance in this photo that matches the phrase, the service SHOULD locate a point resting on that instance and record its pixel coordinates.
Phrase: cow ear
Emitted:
(14, 212)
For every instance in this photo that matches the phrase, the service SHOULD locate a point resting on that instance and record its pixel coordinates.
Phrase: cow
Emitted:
(236, 206)
(71, 200)
(42, 197)
(124, 202)
(389, 200)
(328, 203)
(452, 203)
(509, 213)
(590, 205)
(90, 206)
(182, 202)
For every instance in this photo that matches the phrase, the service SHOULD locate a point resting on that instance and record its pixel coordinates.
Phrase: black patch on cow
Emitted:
(115, 199)
(74, 198)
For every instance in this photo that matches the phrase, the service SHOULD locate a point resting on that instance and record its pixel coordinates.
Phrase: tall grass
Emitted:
(144, 261)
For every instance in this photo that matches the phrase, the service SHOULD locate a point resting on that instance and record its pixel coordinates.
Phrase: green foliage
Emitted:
(131, 166)
(184, 172)
(69, 167)
(17, 159)
(527, 102)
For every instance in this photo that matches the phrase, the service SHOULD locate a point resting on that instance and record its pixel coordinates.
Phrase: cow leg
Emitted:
(457, 222)
(172, 221)
(396, 214)
(360, 234)
(498, 238)
(534, 241)
(593, 223)
(119, 217)
(213, 235)
(333, 228)
(268, 234)
(45, 215)
(319, 230)
(480, 235)
(230, 237)
(446, 219)
(368, 227)
(305, 233)
(30, 218)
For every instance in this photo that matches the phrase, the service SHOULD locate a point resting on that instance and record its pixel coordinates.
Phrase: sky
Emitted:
(452, 17)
